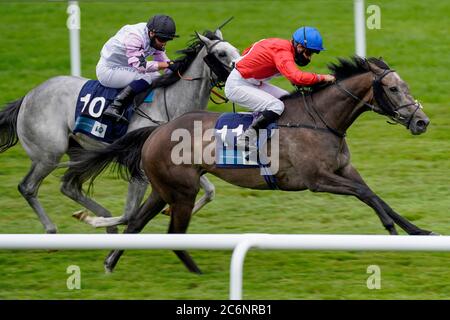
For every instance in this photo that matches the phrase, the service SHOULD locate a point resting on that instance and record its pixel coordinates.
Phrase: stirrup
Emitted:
(115, 114)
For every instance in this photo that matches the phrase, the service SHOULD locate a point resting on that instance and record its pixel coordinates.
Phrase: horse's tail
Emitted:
(126, 152)
(8, 125)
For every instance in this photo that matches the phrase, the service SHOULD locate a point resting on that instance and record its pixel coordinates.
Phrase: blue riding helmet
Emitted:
(308, 37)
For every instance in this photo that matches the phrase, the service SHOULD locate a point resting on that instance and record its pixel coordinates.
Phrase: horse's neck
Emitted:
(338, 109)
(350, 109)
(195, 93)
(187, 95)
(181, 97)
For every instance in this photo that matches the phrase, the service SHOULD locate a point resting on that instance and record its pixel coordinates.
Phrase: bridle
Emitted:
(220, 69)
(219, 72)
(386, 106)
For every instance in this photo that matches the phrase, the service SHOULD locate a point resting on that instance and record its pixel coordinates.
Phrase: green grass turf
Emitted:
(409, 172)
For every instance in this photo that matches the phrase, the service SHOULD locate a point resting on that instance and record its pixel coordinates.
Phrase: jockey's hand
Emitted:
(174, 66)
(328, 78)
(163, 65)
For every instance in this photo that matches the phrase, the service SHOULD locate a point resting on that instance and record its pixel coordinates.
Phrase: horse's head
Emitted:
(220, 55)
(393, 99)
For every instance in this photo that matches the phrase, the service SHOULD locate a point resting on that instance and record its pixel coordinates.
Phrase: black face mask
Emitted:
(153, 44)
(300, 59)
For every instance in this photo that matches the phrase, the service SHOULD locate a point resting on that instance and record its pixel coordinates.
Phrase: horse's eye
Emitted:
(222, 54)
(393, 89)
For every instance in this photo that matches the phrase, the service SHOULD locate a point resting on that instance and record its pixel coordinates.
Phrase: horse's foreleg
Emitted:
(179, 222)
(338, 184)
(406, 225)
(351, 173)
(210, 192)
(152, 206)
(29, 188)
(136, 192)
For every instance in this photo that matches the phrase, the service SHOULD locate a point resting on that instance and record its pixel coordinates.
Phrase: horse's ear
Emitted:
(203, 39)
(383, 64)
(218, 33)
(372, 63)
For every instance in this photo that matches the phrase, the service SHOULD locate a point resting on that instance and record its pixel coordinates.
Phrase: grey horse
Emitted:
(43, 121)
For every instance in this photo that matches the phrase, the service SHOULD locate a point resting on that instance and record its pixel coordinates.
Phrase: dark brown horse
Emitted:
(313, 153)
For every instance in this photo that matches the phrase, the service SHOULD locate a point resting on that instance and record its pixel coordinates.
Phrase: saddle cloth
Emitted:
(92, 100)
(228, 127)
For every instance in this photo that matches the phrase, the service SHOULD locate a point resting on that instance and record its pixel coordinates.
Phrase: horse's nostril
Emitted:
(422, 123)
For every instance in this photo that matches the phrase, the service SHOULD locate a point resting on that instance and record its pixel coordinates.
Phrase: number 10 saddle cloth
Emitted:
(93, 99)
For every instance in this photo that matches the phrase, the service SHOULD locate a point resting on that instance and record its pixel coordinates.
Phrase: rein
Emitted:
(327, 128)
(142, 114)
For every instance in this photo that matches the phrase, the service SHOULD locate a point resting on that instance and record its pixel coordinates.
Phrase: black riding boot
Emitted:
(117, 108)
(249, 138)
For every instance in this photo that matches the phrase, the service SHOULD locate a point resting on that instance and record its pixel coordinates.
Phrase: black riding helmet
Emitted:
(163, 26)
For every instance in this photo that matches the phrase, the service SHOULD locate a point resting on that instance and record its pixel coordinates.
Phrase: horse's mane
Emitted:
(343, 69)
(347, 68)
(189, 54)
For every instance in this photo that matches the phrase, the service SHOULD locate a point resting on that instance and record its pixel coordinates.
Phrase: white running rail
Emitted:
(240, 243)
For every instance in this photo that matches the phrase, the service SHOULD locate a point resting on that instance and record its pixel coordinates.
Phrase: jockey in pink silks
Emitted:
(123, 61)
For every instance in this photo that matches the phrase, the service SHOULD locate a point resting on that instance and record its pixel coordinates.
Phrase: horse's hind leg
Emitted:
(75, 193)
(179, 222)
(72, 190)
(29, 188)
(136, 192)
(152, 206)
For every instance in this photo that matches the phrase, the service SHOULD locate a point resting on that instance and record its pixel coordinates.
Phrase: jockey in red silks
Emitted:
(123, 61)
(248, 84)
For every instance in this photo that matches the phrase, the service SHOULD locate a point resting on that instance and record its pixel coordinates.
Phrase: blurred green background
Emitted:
(410, 172)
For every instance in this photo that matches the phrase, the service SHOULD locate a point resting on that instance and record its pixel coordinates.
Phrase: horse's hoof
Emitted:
(51, 230)
(166, 212)
(196, 270)
(80, 215)
(434, 233)
(112, 230)
(108, 270)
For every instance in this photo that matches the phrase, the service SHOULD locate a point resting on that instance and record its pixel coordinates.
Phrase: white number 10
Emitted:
(93, 104)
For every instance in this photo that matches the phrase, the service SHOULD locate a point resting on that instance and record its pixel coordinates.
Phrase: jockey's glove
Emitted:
(174, 66)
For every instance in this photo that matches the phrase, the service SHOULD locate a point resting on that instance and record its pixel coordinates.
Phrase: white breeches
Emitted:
(121, 76)
(253, 94)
